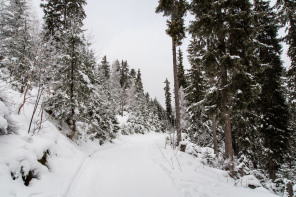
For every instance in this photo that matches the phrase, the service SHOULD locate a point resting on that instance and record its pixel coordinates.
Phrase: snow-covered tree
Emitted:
(176, 10)
(274, 114)
(16, 41)
(184, 115)
(168, 102)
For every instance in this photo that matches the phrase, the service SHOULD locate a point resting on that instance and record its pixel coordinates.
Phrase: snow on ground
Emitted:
(19, 154)
(133, 166)
(192, 178)
(141, 165)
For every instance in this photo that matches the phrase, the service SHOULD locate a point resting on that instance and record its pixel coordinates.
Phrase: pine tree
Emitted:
(105, 67)
(168, 101)
(53, 17)
(273, 109)
(181, 72)
(225, 37)
(133, 73)
(115, 87)
(176, 9)
(59, 13)
(16, 41)
(125, 84)
(139, 84)
(124, 74)
(71, 73)
(202, 98)
(287, 14)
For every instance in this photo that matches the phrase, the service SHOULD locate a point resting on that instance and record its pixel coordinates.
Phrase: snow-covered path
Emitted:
(140, 166)
(125, 170)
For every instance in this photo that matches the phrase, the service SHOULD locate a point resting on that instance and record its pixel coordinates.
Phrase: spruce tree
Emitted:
(181, 72)
(168, 101)
(176, 9)
(202, 96)
(133, 73)
(225, 38)
(53, 17)
(139, 84)
(124, 74)
(287, 14)
(16, 41)
(105, 67)
(115, 87)
(273, 109)
(71, 73)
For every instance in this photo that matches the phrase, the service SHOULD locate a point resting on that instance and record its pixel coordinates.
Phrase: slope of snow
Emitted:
(133, 166)
(19, 154)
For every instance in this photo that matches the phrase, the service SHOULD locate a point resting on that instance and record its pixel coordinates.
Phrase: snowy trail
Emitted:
(124, 171)
(137, 166)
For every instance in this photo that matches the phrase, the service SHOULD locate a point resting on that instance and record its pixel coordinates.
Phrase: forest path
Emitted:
(125, 170)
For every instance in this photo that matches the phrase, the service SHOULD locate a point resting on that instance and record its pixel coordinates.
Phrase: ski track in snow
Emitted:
(77, 176)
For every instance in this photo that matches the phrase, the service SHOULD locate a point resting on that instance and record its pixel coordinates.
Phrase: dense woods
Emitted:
(239, 98)
(236, 98)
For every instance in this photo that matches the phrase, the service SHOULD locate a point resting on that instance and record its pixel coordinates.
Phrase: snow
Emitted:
(3, 112)
(122, 120)
(249, 180)
(124, 170)
(131, 166)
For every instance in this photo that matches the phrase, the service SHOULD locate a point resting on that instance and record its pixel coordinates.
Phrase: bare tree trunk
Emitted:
(214, 127)
(215, 134)
(73, 122)
(25, 98)
(289, 189)
(227, 113)
(176, 88)
(25, 94)
(228, 136)
(39, 94)
(271, 166)
(227, 126)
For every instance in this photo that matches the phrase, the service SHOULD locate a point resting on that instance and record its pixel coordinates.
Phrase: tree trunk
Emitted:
(227, 113)
(228, 136)
(289, 189)
(214, 127)
(73, 122)
(176, 88)
(271, 166)
(215, 134)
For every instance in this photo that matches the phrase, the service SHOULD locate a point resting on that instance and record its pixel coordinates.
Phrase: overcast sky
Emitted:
(131, 30)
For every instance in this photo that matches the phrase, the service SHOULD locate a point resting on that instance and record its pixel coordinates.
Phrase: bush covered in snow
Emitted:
(7, 126)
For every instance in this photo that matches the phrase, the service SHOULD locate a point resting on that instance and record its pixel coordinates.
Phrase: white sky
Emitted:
(132, 31)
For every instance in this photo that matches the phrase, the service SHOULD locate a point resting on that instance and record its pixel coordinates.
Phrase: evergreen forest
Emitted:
(236, 98)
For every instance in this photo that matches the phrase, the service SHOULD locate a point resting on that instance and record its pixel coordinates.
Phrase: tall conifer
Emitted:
(224, 36)
(181, 72)
(273, 109)
(168, 100)
(176, 9)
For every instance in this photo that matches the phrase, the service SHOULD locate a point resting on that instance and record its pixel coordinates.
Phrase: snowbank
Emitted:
(45, 161)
